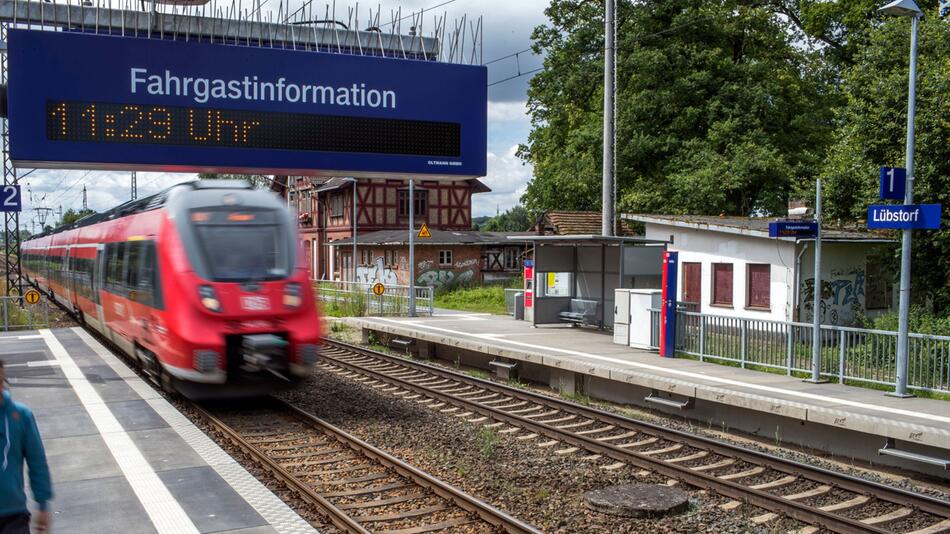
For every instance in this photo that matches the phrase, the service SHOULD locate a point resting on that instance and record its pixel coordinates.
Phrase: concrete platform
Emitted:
(846, 421)
(122, 458)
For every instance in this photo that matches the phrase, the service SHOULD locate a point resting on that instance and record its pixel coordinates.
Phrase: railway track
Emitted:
(814, 496)
(360, 488)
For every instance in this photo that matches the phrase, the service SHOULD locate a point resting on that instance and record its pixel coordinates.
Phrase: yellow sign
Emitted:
(552, 280)
(424, 232)
(379, 289)
(32, 296)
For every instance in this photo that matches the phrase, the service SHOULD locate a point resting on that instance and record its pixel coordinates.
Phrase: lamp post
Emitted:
(355, 216)
(906, 8)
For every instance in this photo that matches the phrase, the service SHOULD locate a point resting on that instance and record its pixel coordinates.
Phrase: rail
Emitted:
(357, 299)
(776, 484)
(855, 355)
(308, 455)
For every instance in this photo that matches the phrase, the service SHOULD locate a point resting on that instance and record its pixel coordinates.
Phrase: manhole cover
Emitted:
(638, 500)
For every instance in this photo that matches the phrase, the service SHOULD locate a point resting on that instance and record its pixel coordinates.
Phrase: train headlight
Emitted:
(209, 299)
(292, 295)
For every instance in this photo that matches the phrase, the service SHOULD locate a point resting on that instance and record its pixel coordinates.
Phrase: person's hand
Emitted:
(41, 522)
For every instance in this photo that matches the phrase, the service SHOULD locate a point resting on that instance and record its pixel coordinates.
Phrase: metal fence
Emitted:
(18, 315)
(846, 354)
(357, 299)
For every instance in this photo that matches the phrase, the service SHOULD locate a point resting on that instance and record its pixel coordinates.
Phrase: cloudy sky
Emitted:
(507, 29)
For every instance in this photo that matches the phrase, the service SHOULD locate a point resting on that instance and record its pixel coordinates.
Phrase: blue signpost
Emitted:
(10, 199)
(79, 100)
(893, 183)
(668, 312)
(904, 216)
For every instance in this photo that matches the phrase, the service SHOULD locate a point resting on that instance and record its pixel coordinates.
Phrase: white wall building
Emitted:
(730, 266)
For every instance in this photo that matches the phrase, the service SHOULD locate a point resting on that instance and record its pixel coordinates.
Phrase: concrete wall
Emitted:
(715, 247)
(843, 281)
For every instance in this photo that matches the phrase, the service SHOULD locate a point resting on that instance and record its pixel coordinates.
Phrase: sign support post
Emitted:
(903, 337)
(816, 289)
(668, 309)
(412, 248)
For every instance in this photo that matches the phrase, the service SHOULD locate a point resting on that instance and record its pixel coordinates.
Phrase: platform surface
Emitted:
(580, 350)
(124, 460)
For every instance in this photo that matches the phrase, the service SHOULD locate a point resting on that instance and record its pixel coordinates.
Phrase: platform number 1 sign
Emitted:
(10, 198)
(893, 183)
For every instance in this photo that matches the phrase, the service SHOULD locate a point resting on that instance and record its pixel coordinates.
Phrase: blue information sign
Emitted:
(10, 199)
(108, 102)
(893, 183)
(905, 216)
(806, 229)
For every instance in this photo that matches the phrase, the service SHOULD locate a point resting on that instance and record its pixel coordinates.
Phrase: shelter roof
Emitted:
(755, 226)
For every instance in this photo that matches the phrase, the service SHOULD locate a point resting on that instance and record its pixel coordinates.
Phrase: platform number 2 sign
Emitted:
(10, 198)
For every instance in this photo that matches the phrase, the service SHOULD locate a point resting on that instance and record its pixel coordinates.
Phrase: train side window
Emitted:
(132, 265)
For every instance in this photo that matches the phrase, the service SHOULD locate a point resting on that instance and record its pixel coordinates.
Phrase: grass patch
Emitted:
(478, 373)
(489, 298)
(487, 439)
(579, 398)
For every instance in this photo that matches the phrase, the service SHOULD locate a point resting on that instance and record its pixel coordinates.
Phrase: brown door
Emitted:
(693, 283)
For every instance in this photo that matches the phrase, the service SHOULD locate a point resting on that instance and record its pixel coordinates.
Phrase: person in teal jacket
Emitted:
(20, 440)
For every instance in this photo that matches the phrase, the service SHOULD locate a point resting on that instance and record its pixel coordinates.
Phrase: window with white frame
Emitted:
(445, 257)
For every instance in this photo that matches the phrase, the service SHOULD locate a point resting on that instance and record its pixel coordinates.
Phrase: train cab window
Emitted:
(242, 245)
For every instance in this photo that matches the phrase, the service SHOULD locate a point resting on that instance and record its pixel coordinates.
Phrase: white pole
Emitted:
(355, 216)
(903, 339)
(412, 249)
(610, 56)
(816, 301)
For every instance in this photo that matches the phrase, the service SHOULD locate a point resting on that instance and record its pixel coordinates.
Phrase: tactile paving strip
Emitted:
(268, 505)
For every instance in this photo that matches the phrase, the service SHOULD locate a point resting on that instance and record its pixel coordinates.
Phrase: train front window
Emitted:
(241, 246)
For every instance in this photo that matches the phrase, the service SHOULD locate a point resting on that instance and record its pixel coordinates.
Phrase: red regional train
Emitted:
(203, 284)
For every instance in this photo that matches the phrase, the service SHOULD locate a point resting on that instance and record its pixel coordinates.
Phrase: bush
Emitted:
(921, 321)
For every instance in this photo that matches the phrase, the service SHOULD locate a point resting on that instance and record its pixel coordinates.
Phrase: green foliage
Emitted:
(872, 133)
(72, 215)
(488, 440)
(488, 298)
(517, 219)
(352, 304)
(920, 320)
(258, 181)
(719, 110)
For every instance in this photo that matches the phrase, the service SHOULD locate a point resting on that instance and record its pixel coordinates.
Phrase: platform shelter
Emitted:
(574, 277)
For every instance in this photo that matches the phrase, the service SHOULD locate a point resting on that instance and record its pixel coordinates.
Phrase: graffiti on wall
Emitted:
(842, 297)
(434, 275)
(378, 272)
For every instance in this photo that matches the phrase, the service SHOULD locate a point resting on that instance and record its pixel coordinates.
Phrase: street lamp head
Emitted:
(901, 8)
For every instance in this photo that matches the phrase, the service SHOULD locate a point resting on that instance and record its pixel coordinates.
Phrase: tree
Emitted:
(257, 181)
(719, 108)
(72, 215)
(517, 219)
(872, 130)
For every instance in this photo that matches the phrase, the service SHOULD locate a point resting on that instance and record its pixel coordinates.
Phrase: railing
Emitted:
(846, 354)
(357, 299)
(18, 315)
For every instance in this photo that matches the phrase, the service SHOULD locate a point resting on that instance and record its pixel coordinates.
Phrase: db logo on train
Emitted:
(32, 296)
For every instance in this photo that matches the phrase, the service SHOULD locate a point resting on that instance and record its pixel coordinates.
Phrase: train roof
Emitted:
(143, 204)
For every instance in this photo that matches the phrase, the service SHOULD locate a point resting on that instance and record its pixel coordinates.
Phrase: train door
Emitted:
(148, 295)
(98, 268)
(69, 280)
